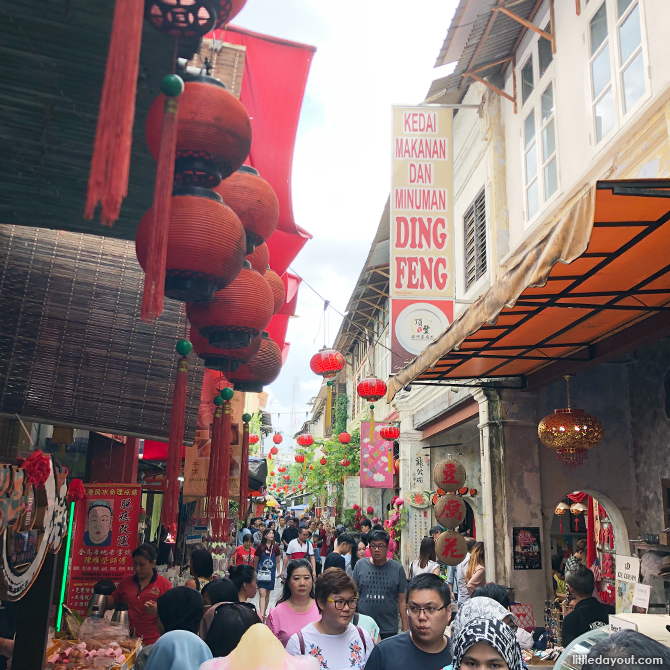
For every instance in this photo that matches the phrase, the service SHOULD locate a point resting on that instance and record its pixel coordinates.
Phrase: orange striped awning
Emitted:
(596, 285)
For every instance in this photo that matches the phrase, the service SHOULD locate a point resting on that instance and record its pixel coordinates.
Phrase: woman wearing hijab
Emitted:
(479, 608)
(486, 643)
(178, 650)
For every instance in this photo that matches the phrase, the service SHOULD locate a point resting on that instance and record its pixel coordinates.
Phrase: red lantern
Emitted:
(372, 390)
(282, 468)
(305, 440)
(323, 461)
(224, 360)
(179, 18)
(389, 432)
(274, 450)
(327, 363)
(260, 259)
(287, 477)
(302, 479)
(311, 467)
(235, 315)
(277, 439)
(344, 438)
(254, 202)
(300, 458)
(253, 438)
(261, 370)
(278, 290)
(205, 246)
(213, 132)
(301, 487)
(345, 462)
(272, 473)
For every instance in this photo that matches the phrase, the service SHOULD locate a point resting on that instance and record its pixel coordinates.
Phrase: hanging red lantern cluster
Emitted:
(261, 370)
(260, 259)
(372, 390)
(305, 440)
(224, 360)
(345, 462)
(389, 432)
(327, 363)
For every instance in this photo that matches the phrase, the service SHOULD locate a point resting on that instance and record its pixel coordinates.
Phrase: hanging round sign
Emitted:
(449, 475)
(450, 511)
(450, 548)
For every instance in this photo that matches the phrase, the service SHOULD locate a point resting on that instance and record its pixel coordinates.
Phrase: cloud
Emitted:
(379, 477)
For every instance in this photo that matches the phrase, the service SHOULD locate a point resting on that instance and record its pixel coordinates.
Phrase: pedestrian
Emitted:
(436, 531)
(201, 568)
(244, 554)
(588, 613)
(463, 595)
(244, 530)
(381, 585)
(229, 623)
(258, 535)
(479, 608)
(366, 525)
(296, 606)
(178, 650)
(301, 547)
(291, 533)
(141, 591)
(357, 553)
(486, 643)
(475, 575)
(334, 640)
(215, 593)
(245, 580)
(336, 558)
(327, 540)
(628, 644)
(578, 558)
(180, 608)
(425, 645)
(427, 561)
(265, 563)
(557, 579)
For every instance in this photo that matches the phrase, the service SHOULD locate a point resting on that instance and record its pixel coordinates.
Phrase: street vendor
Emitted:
(141, 591)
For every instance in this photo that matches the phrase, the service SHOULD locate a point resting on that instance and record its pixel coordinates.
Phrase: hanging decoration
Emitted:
(449, 475)
(204, 245)
(305, 440)
(450, 511)
(254, 438)
(274, 451)
(235, 315)
(278, 290)
(450, 548)
(190, 18)
(345, 462)
(327, 363)
(277, 439)
(244, 467)
(261, 370)
(260, 259)
(282, 468)
(344, 438)
(254, 201)
(390, 433)
(576, 509)
(300, 458)
(560, 510)
(170, 510)
(323, 461)
(214, 457)
(224, 360)
(110, 164)
(571, 432)
(371, 389)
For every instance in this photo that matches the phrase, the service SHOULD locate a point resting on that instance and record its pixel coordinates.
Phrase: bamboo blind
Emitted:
(73, 349)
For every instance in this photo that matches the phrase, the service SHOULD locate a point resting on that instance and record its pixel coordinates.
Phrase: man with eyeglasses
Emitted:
(334, 641)
(425, 645)
(381, 585)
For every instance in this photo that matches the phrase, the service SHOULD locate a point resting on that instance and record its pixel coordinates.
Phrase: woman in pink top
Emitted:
(296, 607)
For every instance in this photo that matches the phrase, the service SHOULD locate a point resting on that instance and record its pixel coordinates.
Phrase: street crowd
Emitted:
(344, 601)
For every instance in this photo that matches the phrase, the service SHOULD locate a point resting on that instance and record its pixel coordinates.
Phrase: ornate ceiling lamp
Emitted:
(327, 363)
(570, 432)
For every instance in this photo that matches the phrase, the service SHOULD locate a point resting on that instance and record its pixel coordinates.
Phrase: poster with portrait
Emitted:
(527, 552)
(375, 454)
(104, 535)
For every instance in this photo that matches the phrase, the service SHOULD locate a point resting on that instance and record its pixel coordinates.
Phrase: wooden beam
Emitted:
(552, 27)
(487, 30)
(531, 16)
(374, 304)
(481, 68)
(578, 7)
(495, 89)
(523, 22)
(384, 274)
(367, 316)
(376, 290)
(514, 82)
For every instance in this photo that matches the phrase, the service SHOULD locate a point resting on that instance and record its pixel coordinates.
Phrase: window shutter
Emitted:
(474, 222)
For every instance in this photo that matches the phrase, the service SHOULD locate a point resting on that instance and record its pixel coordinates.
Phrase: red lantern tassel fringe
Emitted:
(170, 510)
(224, 473)
(154, 279)
(214, 457)
(244, 472)
(110, 165)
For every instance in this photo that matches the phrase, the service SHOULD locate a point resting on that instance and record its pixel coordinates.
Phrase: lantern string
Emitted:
(567, 381)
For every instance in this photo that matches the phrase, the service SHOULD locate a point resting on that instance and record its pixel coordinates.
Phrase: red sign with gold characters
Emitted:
(104, 536)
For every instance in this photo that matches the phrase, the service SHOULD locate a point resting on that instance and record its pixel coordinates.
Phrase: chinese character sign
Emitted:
(375, 454)
(419, 469)
(450, 548)
(450, 511)
(104, 536)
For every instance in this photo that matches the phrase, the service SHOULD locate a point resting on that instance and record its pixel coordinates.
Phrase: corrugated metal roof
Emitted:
(493, 36)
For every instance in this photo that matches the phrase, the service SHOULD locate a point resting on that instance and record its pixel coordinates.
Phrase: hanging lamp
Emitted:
(371, 389)
(222, 359)
(260, 259)
(344, 438)
(278, 290)
(327, 363)
(560, 510)
(570, 432)
(305, 440)
(260, 370)
(390, 433)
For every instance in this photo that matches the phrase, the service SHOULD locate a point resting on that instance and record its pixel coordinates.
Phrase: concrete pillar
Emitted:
(410, 447)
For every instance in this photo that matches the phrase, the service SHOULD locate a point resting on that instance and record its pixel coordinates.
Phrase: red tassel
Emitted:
(154, 279)
(110, 165)
(244, 472)
(170, 510)
(224, 470)
(214, 458)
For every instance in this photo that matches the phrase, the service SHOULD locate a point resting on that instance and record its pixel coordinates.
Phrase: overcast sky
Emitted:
(371, 54)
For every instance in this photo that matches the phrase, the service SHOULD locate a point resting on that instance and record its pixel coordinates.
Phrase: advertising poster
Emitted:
(627, 571)
(375, 453)
(352, 492)
(422, 240)
(104, 537)
(527, 552)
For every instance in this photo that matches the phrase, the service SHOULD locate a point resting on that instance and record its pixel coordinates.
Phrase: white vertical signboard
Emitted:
(422, 240)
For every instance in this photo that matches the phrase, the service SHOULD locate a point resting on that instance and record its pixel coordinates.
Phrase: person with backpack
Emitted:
(334, 641)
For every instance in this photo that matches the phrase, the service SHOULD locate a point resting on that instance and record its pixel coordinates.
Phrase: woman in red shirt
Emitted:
(140, 591)
(244, 554)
